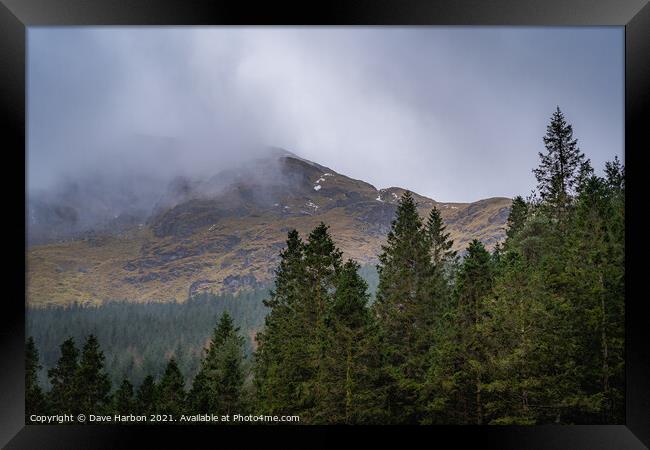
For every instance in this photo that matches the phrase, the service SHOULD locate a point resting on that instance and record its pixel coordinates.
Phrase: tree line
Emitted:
(134, 335)
(529, 333)
(81, 385)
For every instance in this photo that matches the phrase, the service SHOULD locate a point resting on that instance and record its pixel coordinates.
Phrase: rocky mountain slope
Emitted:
(224, 233)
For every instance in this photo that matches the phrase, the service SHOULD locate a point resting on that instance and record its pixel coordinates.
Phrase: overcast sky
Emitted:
(453, 113)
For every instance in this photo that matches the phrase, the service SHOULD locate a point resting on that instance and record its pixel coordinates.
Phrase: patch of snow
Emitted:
(395, 196)
(328, 175)
(319, 180)
(286, 207)
(317, 187)
(311, 205)
(275, 204)
(454, 207)
(212, 227)
(379, 198)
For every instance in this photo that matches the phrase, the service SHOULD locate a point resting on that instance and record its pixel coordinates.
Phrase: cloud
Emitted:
(456, 114)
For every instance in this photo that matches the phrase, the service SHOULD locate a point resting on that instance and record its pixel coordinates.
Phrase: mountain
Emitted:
(219, 233)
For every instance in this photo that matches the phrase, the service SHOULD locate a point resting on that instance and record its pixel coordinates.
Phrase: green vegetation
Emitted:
(531, 333)
(138, 338)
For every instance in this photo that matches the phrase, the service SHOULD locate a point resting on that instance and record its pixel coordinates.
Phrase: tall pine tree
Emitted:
(64, 393)
(146, 398)
(474, 283)
(281, 369)
(123, 401)
(404, 309)
(350, 396)
(217, 388)
(94, 384)
(517, 217)
(561, 168)
(171, 394)
(323, 262)
(441, 245)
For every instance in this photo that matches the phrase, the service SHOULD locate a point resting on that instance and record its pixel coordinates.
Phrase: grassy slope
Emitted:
(142, 265)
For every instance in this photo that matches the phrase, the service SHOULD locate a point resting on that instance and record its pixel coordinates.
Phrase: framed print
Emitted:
(366, 217)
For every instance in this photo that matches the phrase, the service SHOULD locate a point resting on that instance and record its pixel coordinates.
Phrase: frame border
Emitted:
(634, 15)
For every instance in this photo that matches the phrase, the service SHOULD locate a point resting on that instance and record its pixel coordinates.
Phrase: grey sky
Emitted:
(454, 113)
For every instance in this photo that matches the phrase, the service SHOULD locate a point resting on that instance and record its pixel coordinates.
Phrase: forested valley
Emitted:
(529, 333)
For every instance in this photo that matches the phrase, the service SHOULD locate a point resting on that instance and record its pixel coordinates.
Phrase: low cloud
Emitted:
(456, 114)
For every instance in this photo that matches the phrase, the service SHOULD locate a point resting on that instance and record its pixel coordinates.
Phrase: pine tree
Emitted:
(443, 268)
(281, 369)
(315, 376)
(518, 329)
(440, 289)
(94, 384)
(34, 397)
(475, 282)
(146, 398)
(405, 310)
(230, 375)
(595, 285)
(171, 391)
(615, 175)
(322, 265)
(561, 168)
(348, 357)
(517, 217)
(438, 240)
(63, 396)
(217, 387)
(123, 401)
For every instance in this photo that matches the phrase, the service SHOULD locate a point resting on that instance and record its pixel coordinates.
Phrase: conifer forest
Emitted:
(529, 333)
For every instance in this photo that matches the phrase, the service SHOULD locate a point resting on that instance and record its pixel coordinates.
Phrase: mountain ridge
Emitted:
(224, 233)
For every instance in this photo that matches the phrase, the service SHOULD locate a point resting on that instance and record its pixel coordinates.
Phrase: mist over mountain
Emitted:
(140, 238)
(114, 193)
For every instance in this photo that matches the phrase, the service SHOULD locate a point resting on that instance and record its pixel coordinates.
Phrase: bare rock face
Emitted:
(224, 233)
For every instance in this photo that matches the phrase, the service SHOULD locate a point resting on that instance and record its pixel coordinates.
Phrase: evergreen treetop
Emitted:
(438, 240)
(562, 167)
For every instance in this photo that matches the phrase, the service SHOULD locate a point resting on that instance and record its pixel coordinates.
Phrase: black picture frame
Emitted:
(17, 15)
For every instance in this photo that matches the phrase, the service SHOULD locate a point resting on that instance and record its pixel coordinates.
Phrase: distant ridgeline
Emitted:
(134, 335)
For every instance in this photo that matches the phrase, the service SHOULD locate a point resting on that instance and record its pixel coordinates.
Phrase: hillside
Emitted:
(224, 232)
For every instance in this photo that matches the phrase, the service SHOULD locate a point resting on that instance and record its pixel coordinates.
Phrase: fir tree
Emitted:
(63, 396)
(405, 310)
(595, 285)
(444, 265)
(322, 266)
(615, 175)
(217, 387)
(34, 397)
(438, 240)
(123, 401)
(146, 398)
(346, 361)
(440, 285)
(171, 391)
(474, 283)
(561, 168)
(280, 369)
(517, 217)
(229, 376)
(319, 306)
(517, 331)
(94, 385)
